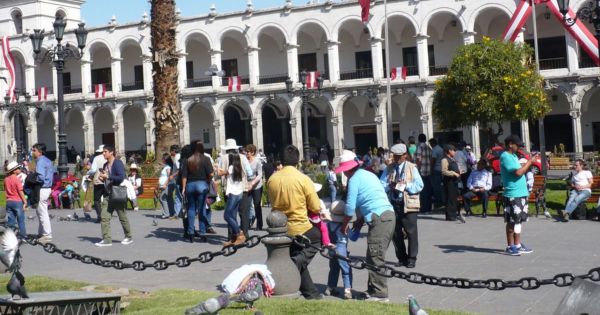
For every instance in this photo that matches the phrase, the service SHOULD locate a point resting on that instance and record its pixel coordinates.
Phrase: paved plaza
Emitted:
(473, 250)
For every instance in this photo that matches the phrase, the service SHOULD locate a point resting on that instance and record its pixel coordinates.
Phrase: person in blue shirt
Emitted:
(45, 173)
(399, 178)
(366, 195)
(479, 184)
(515, 194)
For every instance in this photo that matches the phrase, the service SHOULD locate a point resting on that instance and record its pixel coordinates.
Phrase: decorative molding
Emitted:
(335, 121)
(424, 118)
(378, 119)
(216, 124)
(293, 122)
(575, 113)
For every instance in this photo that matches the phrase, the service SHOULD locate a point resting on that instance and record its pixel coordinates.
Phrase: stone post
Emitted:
(283, 269)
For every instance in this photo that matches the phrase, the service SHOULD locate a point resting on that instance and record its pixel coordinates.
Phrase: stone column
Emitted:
(182, 69)
(525, 137)
(149, 144)
(296, 125)
(219, 132)
(427, 125)
(475, 144)
(253, 66)
(119, 129)
(334, 61)
(377, 58)
(88, 136)
(423, 55)
(215, 59)
(86, 76)
(257, 136)
(147, 69)
(468, 37)
(337, 149)
(30, 79)
(572, 55)
(115, 69)
(577, 137)
(381, 131)
(32, 127)
(292, 59)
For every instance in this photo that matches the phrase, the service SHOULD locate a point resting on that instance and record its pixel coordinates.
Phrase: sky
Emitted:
(99, 12)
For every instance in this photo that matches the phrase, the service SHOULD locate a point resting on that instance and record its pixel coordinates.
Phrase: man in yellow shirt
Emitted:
(293, 193)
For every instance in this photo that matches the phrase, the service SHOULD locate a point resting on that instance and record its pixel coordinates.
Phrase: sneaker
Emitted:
(547, 215)
(565, 216)
(329, 292)
(524, 249)
(461, 217)
(136, 209)
(103, 243)
(377, 299)
(347, 294)
(512, 251)
(127, 241)
(45, 239)
(210, 230)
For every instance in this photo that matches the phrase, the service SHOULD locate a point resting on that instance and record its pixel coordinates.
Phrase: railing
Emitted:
(410, 71)
(272, 78)
(438, 70)
(587, 63)
(245, 80)
(108, 87)
(357, 74)
(553, 63)
(137, 85)
(198, 82)
(72, 89)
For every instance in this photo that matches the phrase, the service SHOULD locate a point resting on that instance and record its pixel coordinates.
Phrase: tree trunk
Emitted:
(167, 110)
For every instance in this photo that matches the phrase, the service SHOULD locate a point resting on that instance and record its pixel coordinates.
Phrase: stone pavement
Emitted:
(473, 250)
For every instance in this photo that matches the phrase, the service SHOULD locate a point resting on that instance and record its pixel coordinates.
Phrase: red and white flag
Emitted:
(42, 93)
(9, 63)
(234, 84)
(100, 90)
(399, 72)
(365, 7)
(312, 80)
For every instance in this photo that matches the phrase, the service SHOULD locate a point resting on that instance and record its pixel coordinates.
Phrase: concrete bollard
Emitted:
(285, 272)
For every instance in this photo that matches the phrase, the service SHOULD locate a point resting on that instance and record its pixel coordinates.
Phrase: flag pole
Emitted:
(390, 129)
(541, 128)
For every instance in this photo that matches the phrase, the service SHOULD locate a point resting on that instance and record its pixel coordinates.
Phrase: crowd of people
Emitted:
(385, 191)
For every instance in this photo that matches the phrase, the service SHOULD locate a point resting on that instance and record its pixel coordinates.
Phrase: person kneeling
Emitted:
(479, 183)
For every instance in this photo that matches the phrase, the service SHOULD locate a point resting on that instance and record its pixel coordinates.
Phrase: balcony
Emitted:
(357, 74)
(438, 70)
(410, 71)
(245, 80)
(72, 89)
(198, 82)
(272, 78)
(553, 63)
(133, 86)
(586, 63)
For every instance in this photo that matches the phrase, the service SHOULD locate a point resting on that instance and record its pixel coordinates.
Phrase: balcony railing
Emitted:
(108, 87)
(272, 78)
(587, 63)
(198, 82)
(553, 63)
(137, 85)
(72, 89)
(245, 80)
(438, 70)
(410, 71)
(357, 74)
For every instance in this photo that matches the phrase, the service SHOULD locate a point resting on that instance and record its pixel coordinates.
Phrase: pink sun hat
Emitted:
(348, 161)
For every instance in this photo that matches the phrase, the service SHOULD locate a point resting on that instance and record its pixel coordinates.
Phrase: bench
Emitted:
(495, 197)
(150, 186)
(537, 196)
(560, 163)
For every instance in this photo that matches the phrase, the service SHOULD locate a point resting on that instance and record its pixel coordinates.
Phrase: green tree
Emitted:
(489, 83)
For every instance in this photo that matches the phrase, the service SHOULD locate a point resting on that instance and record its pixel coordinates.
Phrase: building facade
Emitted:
(263, 48)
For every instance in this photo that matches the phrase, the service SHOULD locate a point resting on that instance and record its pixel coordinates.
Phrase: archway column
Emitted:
(219, 135)
(253, 66)
(86, 76)
(182, 69)
(572, 56)
(30, 79)
(468, 37)
(115, 66)
(475, 142)
(334, 61)
(577, 136)
(147, 72)
(296, 124)
(119, 129)
(525, 134)
(215, 59)
(377, 58)
(423, 52)
(149, 144)
(185, 133)
(32, 127)
(257, 135)
(292, 59)
(335, 122)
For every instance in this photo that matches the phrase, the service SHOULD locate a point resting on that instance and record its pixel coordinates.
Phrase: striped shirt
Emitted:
(423, 155)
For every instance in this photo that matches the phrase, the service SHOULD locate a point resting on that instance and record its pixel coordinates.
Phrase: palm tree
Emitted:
(167, 110)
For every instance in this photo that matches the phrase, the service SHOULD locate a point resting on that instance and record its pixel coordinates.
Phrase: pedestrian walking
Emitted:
(45, 173)
(136, 181)
(437, 154)
(255, 185)
(166, 200)
(174, 192)
(15, 199)
(237, 181)
(99, 187)
(423, 161)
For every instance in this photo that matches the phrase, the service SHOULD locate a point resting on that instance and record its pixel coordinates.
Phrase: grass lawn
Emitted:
(167, 302)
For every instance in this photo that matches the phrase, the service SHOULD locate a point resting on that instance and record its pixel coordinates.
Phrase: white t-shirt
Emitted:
(233, 188)
(582, 178)
(164, 175)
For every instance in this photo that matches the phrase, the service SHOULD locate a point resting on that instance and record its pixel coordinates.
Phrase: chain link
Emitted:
(140, 265)
(525, 283)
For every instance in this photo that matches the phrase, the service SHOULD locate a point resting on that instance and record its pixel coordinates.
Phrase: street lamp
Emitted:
(58, 55)
(589, 13)
(305, 93)
(20, 110)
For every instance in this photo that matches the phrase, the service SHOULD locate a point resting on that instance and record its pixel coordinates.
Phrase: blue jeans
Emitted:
(173, 188)
(575, 198)
(195, 193)
(231, 212)
(335, 265)
(14, 210)
(332, 192)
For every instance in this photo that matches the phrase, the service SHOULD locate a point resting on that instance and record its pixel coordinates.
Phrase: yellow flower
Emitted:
(486, 39)
(517, 106)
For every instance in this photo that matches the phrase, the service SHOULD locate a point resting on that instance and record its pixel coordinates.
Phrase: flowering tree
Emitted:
(489, 82)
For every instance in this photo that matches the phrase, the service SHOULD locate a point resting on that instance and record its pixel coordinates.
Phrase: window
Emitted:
(189, 70)
(17, 18)
(410, 57)
(138, 75)
(101, 76)
(230, 67)
(307, 62)
(363, 60)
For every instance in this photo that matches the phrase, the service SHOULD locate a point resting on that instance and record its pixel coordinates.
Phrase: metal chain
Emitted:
(525, 283)
(140, 265)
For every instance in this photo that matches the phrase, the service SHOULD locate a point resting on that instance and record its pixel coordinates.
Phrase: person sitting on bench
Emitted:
(479, 183)
(580, 190)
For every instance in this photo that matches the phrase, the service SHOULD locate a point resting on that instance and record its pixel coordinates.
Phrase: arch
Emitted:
(406, 115)
(338, 26)
(231, 29)
(191, 104)
(126, 41)
(240, 105)
(74, 121)
(19, 65)
(380, 25)
(134, 128)
(97, 44)
(103, 121)
(427, 19)
(300, 25)
(183, 41)
(201, 117)
(237, 116)
(485, 7)
(256, 35)
(273, 102)
(46, 134)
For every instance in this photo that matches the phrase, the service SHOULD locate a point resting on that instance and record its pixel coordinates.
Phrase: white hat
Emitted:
(398, 149)
(337, 211)
(523, 161)
(230, 144)
(133, 166)
(100, 148)
(348, 161)
(468, 147)
(317, 186)
(12, 166)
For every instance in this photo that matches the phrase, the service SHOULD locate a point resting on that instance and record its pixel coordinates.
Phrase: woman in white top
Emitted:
(163, 181)
(136, 182)
(236, 184)
(581, 188)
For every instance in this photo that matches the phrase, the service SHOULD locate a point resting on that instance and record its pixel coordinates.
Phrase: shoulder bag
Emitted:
(412, 203)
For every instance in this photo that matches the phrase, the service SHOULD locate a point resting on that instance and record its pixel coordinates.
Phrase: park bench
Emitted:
(537, 196)
(495, 197)
(150, 190)
(560, 163)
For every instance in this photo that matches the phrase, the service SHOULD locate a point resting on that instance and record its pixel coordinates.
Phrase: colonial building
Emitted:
(263, 48)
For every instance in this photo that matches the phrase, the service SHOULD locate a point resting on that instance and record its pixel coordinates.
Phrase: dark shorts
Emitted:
(515, 209)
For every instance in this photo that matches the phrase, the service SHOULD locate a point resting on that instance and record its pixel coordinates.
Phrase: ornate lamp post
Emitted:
(588, 13)
(305, 93)
(20, 110)
(57, 55)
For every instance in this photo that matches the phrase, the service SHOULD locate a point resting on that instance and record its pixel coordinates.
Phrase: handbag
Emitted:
(412, 203)
(117, 198)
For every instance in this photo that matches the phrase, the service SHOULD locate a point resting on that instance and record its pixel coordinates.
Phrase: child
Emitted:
(15, 199)
(136, 181)
(318, 220)
(341, 248)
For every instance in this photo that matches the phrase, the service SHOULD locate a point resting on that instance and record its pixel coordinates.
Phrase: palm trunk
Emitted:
(167, 110)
